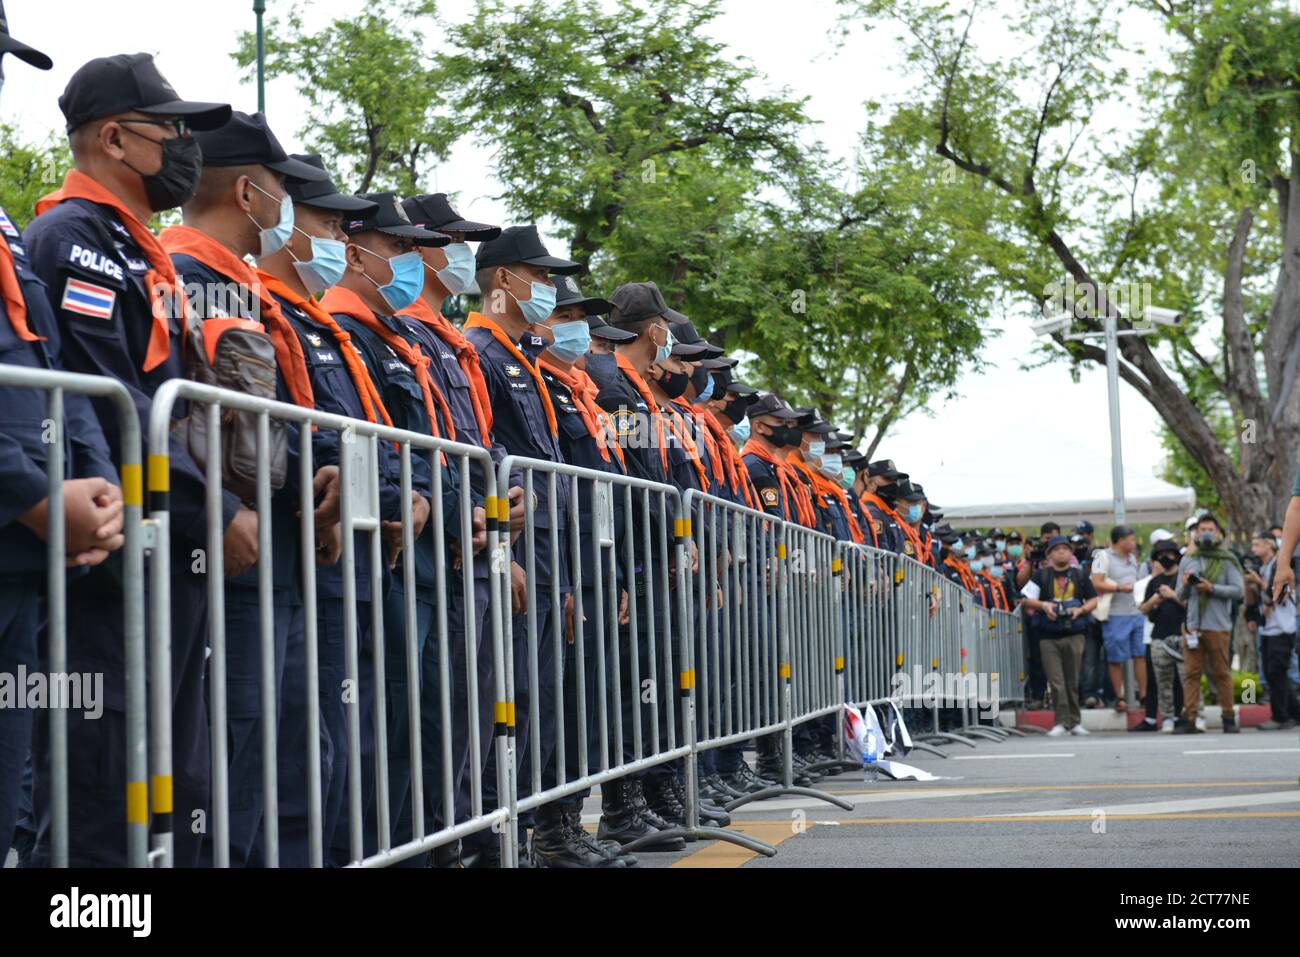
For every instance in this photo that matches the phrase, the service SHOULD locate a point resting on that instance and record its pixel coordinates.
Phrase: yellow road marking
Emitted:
(726, 854)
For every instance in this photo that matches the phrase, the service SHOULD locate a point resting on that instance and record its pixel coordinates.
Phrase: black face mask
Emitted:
(674, 383)
(888, 492)
(735, 410)
(1168, 561)
(784, 436)
(178, 178)
(1207, 543)
(700, 380)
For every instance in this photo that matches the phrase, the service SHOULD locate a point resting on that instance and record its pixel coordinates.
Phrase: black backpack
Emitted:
(1045, 579)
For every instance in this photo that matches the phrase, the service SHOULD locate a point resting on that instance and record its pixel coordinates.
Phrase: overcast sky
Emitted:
(1011, 436)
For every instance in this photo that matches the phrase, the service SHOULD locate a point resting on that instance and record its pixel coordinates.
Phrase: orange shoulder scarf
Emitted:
(791, 487)
(160, 279)
(188, 241)
(477, 320)
(466, 358)
(594, 417)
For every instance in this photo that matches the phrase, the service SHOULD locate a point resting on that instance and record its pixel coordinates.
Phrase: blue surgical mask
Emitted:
(572, 340)
(816, 449)
(407, 282)
(539, 305)
(1001, 543)
(1015, 550)
(741, 431)
(663, 352)
(914, 513)
(970, 551)
(832, 462)
(326, 267)
(849, 475)
(459, 271)
(707, 394)
(274, 239)
(976, 565)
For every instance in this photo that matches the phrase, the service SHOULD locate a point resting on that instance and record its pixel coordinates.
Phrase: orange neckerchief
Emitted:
(871, 525)
(188, 241)
(999, 592)
(371, 401)
(638, 383)
(477, 320)
(922, 553)
(11, 293)
(737, 474)
(827, 486)
(685, 434)
(345, 301)
(466, 358)
(160, 280)
(583, 391)
(877, 501)
(963, 572)
(790, 485)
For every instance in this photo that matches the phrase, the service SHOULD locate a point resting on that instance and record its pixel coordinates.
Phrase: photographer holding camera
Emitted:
(1210, 581)
(1275, 625)
(1065, 597)
(1162, 606)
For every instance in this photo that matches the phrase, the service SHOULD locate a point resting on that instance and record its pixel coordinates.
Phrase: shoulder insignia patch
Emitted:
(87, 299)
(770, 497)
(513, 369)
(313, 339)
(6, 225)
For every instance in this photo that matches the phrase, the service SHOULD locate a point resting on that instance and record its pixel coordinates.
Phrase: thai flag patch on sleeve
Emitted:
(88, 299)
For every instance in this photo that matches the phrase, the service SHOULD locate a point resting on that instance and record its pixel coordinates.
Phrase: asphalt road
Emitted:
(1112, 800)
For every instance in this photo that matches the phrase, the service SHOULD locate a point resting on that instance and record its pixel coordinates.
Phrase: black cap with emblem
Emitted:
(521, 244)
(690, 345)
(130, 82)
(21, 50)
(246, 140)
(771, 404)
(884, 468)
(322, 193)
(389, 217)
(638, 301)
(434, 211)
(567, 293)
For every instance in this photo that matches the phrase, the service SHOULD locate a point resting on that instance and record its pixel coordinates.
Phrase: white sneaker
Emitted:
(1079, 729)
(1200, 723)
(1057, 731)
(1167, 727)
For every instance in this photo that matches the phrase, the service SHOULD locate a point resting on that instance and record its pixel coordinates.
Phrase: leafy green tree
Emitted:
(28, 171)
(1196, 209)
(373, 94)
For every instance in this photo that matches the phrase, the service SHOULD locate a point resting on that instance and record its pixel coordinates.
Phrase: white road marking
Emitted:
(1001, 757)
(1171, 807)
(1246, 751)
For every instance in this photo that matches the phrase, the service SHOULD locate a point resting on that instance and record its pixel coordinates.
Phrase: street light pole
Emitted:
(1112, 390)
(259, 7)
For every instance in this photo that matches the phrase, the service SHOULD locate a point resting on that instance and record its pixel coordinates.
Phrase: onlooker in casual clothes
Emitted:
(1166, 611)
(1114, 571)
(1209, 582)
(1276, 627)
(1066, 598)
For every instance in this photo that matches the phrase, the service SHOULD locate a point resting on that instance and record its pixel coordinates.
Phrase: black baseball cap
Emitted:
(246, 140)
(770, 404)
(603, 330)
(909, 492)
(855, 460)
(639, 301)
(884, 468)
(1014, 536)
(836, 443)
(21, 50)
(1056, 540)
(1083, 526)
(567, 293)
(322, 193)
(739, 388)
(820, 427)
(107, 86)
(389, 217)
(434, 211)
(694, 344)
(521, 244)
(1164, 545)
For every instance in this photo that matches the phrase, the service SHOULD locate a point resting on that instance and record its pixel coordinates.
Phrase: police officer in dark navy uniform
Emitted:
(455, 370)
(311, 262)
(384, 275)
(877, 500)
(625, 393)
(239, 210)
(514, 277)
(92, 511)
(587, 440)
(119, 310)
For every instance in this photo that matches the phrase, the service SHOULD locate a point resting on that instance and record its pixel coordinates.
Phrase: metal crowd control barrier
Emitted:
(765, 630)
(638, 542)
(57, 384)
(360, 513)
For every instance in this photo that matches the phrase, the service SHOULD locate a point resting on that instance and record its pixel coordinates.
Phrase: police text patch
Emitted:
(88, 299)
(92, 260)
